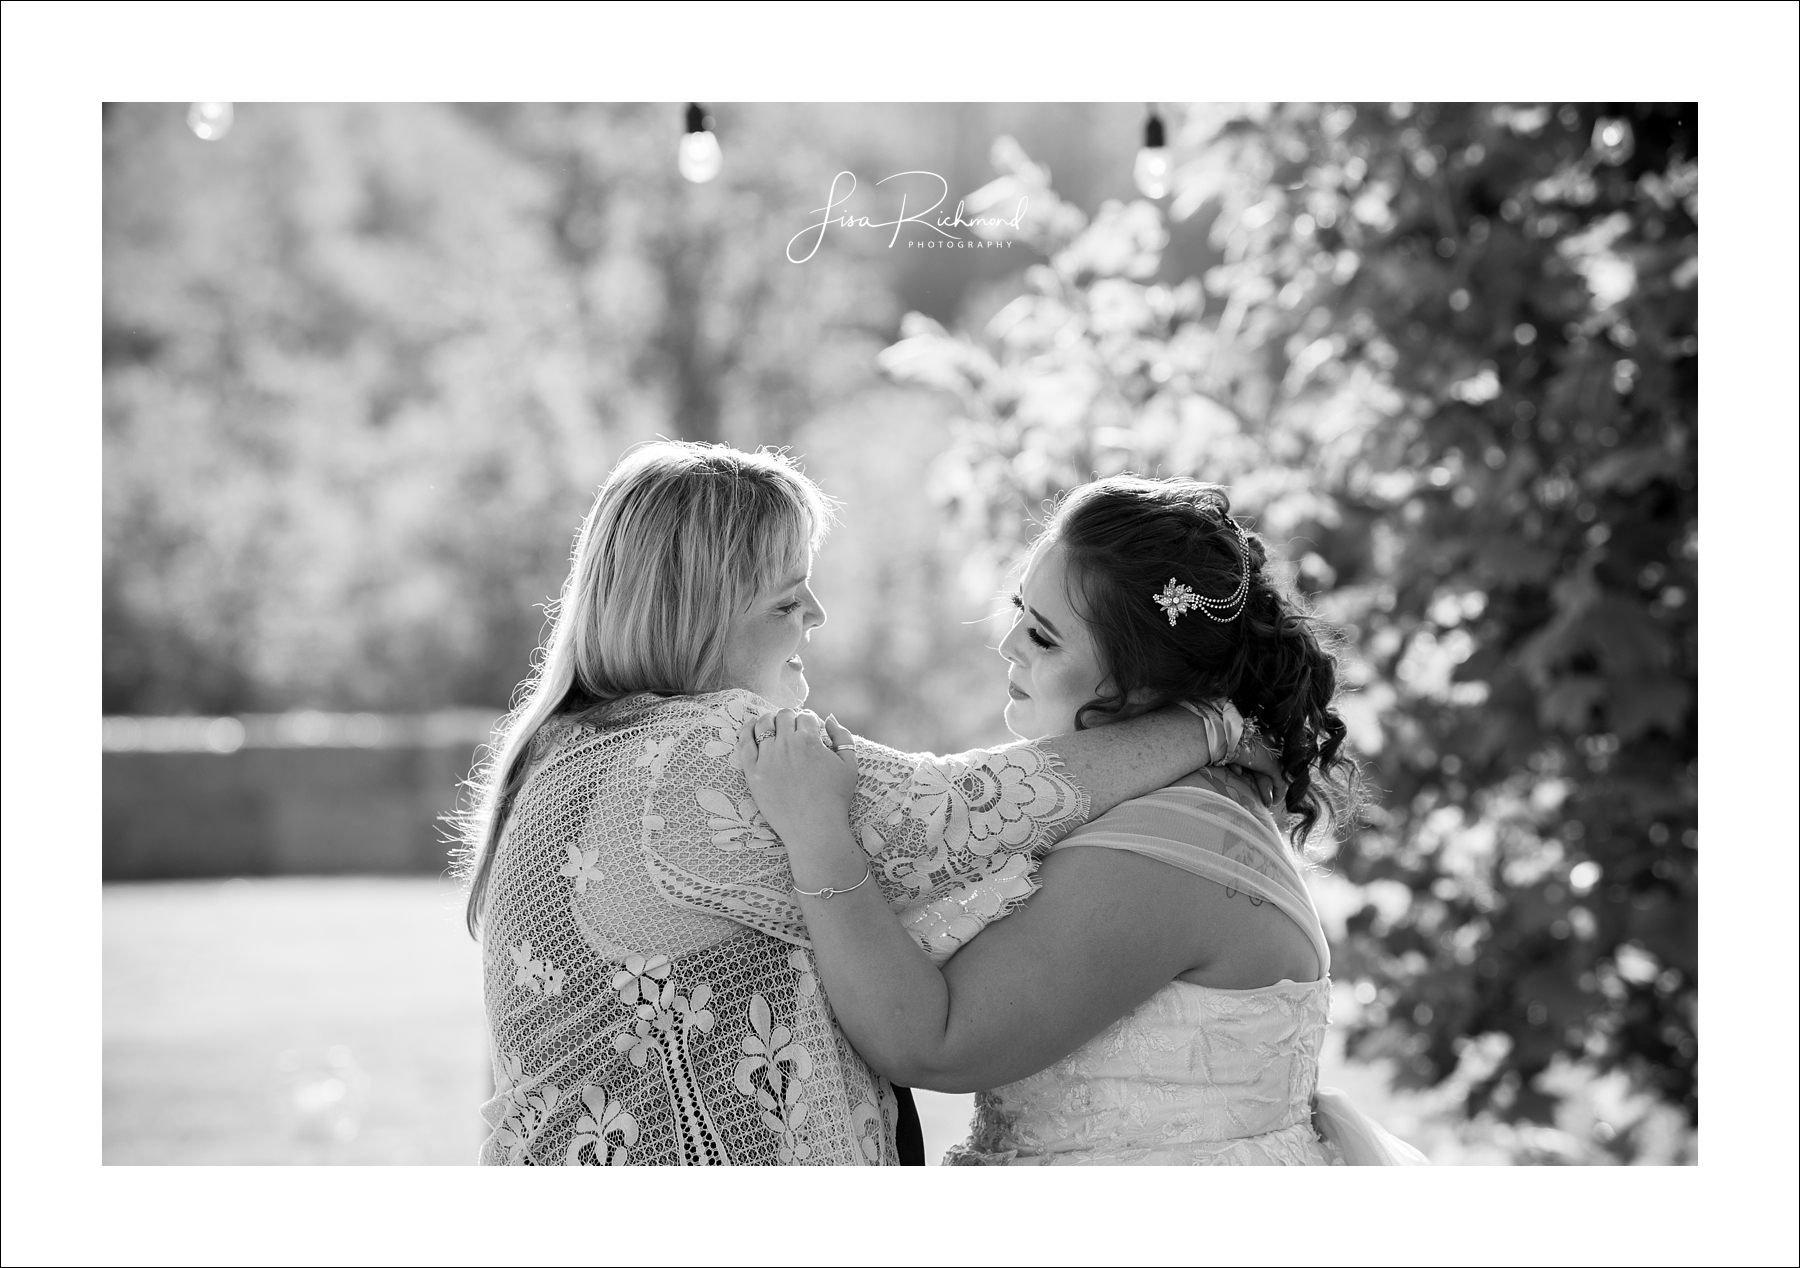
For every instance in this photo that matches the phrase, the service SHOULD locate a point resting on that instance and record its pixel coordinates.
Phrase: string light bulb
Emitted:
(699, 157)
(1153, 166)
(1613, 142)
(210, 120)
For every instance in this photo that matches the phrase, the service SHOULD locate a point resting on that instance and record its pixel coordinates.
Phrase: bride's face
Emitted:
(762, 648)
(1055, 667)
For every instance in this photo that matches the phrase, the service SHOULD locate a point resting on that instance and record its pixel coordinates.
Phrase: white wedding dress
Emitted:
(1195, 1075)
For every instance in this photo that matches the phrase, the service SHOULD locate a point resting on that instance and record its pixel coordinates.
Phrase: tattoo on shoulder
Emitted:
(1236, 893)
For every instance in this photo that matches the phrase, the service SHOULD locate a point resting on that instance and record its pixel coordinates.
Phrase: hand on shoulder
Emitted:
(801, 771)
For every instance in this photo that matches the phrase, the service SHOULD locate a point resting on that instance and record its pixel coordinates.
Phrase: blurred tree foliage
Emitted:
(1447, 355)
(365, 365)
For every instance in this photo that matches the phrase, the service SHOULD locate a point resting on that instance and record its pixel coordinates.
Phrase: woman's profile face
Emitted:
(763, 646)
(1055, 666)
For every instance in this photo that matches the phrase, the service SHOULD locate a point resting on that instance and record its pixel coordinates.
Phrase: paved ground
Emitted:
(311, 1020)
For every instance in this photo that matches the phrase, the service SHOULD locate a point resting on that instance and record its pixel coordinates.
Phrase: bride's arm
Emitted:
(1030, 990)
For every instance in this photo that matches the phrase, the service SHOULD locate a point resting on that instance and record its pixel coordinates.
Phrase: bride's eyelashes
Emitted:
(1019, 605)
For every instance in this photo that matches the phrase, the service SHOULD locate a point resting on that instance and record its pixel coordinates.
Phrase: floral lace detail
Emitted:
(735, 827)
(806, 983)
(784, 1067)
(1193, 1077)
(540, 977)
(525, 1108)
(726, 718)
(976, 803)
(663, 1026)
(642, 943)
(656, 753)
(606, 1122)
(945, 924)
(582, 868)
(867, 1120)
(644, 980)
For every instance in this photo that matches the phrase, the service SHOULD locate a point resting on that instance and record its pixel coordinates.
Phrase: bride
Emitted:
(1164, 997)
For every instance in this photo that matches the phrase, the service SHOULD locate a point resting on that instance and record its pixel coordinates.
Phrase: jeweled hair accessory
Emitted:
(1177, 600)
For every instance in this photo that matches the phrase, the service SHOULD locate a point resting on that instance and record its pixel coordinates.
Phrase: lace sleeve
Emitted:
(953, 841)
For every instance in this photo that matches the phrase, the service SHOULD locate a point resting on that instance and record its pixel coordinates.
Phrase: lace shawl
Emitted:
(650, 994)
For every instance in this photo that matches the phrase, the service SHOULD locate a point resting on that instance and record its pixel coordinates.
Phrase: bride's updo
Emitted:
(1125, 539)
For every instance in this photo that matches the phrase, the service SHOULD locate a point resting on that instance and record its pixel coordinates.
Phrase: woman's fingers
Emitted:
(755, 732)
(749, 735)
(842, 743)
(1266, 787)
(1255, 755)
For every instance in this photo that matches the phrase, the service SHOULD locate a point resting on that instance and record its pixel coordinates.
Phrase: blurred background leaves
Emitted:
(365, 365)
(397, 348)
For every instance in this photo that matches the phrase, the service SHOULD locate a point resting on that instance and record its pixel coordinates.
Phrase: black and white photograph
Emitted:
(916, 632)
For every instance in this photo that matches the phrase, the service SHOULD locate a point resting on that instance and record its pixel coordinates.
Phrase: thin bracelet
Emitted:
(828, 891)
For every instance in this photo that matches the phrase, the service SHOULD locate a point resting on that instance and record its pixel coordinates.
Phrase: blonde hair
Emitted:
(681, 538)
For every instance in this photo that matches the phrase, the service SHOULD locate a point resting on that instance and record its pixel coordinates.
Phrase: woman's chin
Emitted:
(1018, 719)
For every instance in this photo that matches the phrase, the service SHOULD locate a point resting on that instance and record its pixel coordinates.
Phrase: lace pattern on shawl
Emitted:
(650, 992)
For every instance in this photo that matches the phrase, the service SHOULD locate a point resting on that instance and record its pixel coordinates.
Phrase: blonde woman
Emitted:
(650, 989)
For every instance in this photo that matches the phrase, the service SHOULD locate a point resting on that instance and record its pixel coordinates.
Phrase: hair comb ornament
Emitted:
(1177, 600)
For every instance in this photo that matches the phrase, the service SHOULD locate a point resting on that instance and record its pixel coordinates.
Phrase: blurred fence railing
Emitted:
(292, 793)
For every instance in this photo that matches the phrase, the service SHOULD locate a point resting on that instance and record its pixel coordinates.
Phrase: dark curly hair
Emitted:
(1124, 538)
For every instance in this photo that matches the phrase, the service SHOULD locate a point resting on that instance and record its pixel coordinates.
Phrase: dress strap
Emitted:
(1213, 836)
